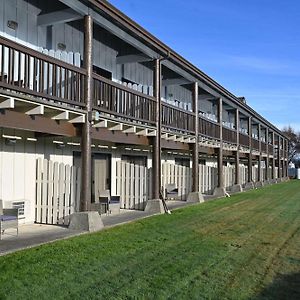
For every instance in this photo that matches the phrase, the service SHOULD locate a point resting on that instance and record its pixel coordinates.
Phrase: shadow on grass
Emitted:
(283, 287)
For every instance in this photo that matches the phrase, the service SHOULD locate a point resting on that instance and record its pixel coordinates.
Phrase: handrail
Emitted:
(176, 118)
(39, 55)
(115, 99)
(27, 71)
(122, 87)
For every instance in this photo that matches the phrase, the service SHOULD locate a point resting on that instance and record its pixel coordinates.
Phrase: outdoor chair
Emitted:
(8, 219)
(104, 199)
(171, 191)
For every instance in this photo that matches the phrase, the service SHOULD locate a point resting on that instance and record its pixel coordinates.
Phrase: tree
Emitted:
(294, 144)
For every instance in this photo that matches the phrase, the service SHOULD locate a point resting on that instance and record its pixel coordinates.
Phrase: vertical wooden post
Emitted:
(286, 148)
(156, 159)
(86, 141)
(195, 186)
(250, 150)
(267, 175)
(273, 160)
(237, 154)
(220, 152)
(260, 155)
(279, 157)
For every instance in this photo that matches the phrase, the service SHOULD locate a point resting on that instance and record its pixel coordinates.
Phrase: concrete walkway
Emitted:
(37, 234)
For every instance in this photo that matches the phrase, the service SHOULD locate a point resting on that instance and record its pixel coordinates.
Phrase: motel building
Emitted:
(94, 106)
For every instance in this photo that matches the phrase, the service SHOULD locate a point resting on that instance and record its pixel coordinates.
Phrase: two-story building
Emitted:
(92, 102)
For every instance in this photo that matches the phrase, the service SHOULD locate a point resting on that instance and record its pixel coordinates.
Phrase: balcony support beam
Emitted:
(250, 153)
(279, 157)
(260, 156)
(267, 175)
(86, 140)
(273, 160)
(156, 159)
(237, 154)
(195, 185)
(220, 152)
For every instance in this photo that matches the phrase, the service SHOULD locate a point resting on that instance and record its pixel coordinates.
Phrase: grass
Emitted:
(243, 247)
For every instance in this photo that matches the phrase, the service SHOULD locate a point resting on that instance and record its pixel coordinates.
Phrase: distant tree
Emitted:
(294, 144)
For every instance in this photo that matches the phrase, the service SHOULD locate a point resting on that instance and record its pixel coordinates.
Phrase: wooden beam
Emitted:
(132, 58)
(7, 103)
(79, 119)
(175, 81)
(17, 120)
(61, 116)
(58, 17)
(38, 110)
(104, 134)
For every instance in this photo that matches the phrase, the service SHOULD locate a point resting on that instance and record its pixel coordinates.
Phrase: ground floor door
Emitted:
(101, 175)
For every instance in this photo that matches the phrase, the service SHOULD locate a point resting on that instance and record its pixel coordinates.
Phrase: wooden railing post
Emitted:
(86, 140)
(195, 186)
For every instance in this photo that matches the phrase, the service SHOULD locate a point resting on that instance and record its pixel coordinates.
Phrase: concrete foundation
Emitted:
(249, 186)
(272, 181)
(259, 184)
(87, 221)
(155, 206)
(220, 192)
(195, 197)
(236, 188)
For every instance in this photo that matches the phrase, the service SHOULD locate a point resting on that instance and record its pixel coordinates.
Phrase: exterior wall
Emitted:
(25, 14)
(18, 168)
(178, 96)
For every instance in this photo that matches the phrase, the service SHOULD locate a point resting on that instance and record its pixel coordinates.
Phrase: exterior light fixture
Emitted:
(12, 24)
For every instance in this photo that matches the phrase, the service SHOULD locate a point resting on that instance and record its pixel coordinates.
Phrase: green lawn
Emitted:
(243, 247)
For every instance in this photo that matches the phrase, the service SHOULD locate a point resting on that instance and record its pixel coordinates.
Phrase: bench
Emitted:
(8, 219)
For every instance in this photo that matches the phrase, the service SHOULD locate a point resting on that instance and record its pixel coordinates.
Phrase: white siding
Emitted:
(18, 166)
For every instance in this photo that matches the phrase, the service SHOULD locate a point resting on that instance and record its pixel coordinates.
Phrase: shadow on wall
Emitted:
(283, 287)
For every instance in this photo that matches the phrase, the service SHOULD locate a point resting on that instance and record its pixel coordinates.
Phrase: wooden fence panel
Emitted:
(132, 185)
(58, 192)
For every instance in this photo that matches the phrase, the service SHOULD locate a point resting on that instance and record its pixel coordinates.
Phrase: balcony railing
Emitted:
(209, 128)
(119, 101)
(263, 147)
(175, 118)
(28, 71)
(270, 147)
(244, 139)
(255, 144)
(229, 135)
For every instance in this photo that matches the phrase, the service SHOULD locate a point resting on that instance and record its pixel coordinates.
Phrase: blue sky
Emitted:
(251, 47)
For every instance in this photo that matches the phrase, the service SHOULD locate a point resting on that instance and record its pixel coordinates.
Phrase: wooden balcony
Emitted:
(229, 135)
(263, 147)
(209, 128)
(122, 102)
(30, 72)
(176, 119)
(255, 144)
(270, 149)
(244, 139)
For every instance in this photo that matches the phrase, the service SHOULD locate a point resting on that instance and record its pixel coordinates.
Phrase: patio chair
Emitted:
(171, 191)
(104, 199)
(8, 219)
